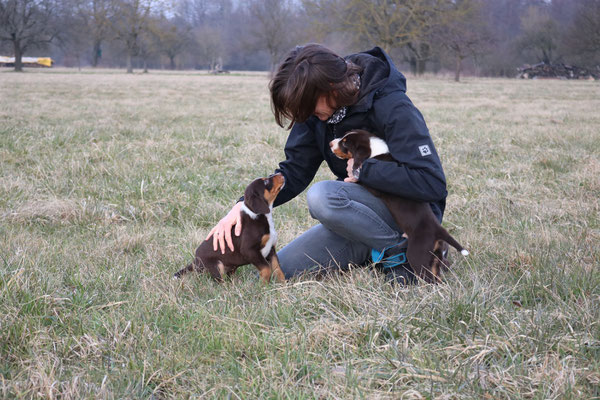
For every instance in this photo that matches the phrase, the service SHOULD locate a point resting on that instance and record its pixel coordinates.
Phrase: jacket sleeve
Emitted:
(417, 172)
(302, 160)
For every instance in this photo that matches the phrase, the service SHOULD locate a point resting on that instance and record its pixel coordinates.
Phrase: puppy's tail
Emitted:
(185, 270)
(444, 235)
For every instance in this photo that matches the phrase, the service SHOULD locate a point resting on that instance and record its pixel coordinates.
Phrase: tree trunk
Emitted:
(18, 56)
(145, 65)
(547, 56)
(458, 68)
(97, 55)
(422, 57)
(129, 66)
(413, 65)
(421, 66)
(172, 60)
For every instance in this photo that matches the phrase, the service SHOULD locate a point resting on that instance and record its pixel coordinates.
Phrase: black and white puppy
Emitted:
(256, 243)
(421, 227)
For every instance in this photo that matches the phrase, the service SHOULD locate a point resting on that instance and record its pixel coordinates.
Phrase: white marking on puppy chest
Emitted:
(378, 146)
(272, 235)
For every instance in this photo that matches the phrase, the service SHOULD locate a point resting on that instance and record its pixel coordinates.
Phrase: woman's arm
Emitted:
(302, 160)
(299, 168)
(417, 172)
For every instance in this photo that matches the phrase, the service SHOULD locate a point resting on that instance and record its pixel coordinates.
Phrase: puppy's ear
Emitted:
(254, 197)
(359, 153)
(258, 204)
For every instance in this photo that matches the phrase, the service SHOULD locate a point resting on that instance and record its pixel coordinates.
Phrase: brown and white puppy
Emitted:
(256, 243)
(424, 232)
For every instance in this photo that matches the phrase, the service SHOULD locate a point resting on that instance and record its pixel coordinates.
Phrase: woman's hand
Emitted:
(221, 233)
(350, 171)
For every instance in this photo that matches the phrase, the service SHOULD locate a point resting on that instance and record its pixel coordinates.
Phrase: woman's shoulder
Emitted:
(391, 98)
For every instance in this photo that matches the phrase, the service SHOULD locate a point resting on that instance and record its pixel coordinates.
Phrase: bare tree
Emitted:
(540, 34)
(215, 31)
(387, 23)
(131, 20)
(583, 37)
(210, 46)
(97, 14)
(148, 42)
(391, 24)
(463, 32)
(419, 52)
(74, 39)
(420, 47)
(173, 37)
(200, 12)
(274, 24)
(27, 23)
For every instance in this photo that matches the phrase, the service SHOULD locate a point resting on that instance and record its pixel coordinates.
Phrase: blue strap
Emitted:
(391, 261)
(394, 261)
(376, 256)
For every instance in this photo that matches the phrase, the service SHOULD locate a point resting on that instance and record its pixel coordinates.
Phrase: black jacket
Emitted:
(383, 109)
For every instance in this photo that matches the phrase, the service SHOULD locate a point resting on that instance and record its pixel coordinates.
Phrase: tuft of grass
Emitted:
(109, 182)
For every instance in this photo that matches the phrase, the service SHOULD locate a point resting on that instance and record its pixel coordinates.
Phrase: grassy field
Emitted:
(108, 183)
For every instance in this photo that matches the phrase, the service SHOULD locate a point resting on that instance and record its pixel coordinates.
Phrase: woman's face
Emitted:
(323, 110)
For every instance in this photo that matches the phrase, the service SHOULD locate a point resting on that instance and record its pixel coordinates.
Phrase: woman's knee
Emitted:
(324, 198)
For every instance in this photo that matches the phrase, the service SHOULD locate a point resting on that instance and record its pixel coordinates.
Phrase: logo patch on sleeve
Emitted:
(425, 150)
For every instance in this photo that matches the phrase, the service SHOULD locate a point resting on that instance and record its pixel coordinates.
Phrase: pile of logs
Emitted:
(558, 71)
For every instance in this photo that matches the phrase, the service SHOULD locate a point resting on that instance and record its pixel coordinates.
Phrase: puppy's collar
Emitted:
(248, 211)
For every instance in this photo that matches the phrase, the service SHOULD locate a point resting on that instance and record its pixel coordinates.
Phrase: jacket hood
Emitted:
(380, 76)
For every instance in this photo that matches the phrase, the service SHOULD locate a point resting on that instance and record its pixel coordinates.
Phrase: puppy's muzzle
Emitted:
(338, 150)
(278, 180)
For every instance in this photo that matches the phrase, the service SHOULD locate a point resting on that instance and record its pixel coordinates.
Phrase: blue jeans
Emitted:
(352, 222)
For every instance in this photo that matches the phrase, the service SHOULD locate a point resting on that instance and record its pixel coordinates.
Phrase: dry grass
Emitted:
(109, 181)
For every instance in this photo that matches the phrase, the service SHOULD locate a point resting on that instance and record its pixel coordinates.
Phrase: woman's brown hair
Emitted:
(307, 73)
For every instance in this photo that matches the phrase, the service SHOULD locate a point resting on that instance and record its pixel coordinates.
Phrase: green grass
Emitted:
(108, 183)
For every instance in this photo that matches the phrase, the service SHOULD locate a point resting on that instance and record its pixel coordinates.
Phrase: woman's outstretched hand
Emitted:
(221, 233)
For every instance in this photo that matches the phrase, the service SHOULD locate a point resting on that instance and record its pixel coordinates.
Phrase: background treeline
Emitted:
(482, 37)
